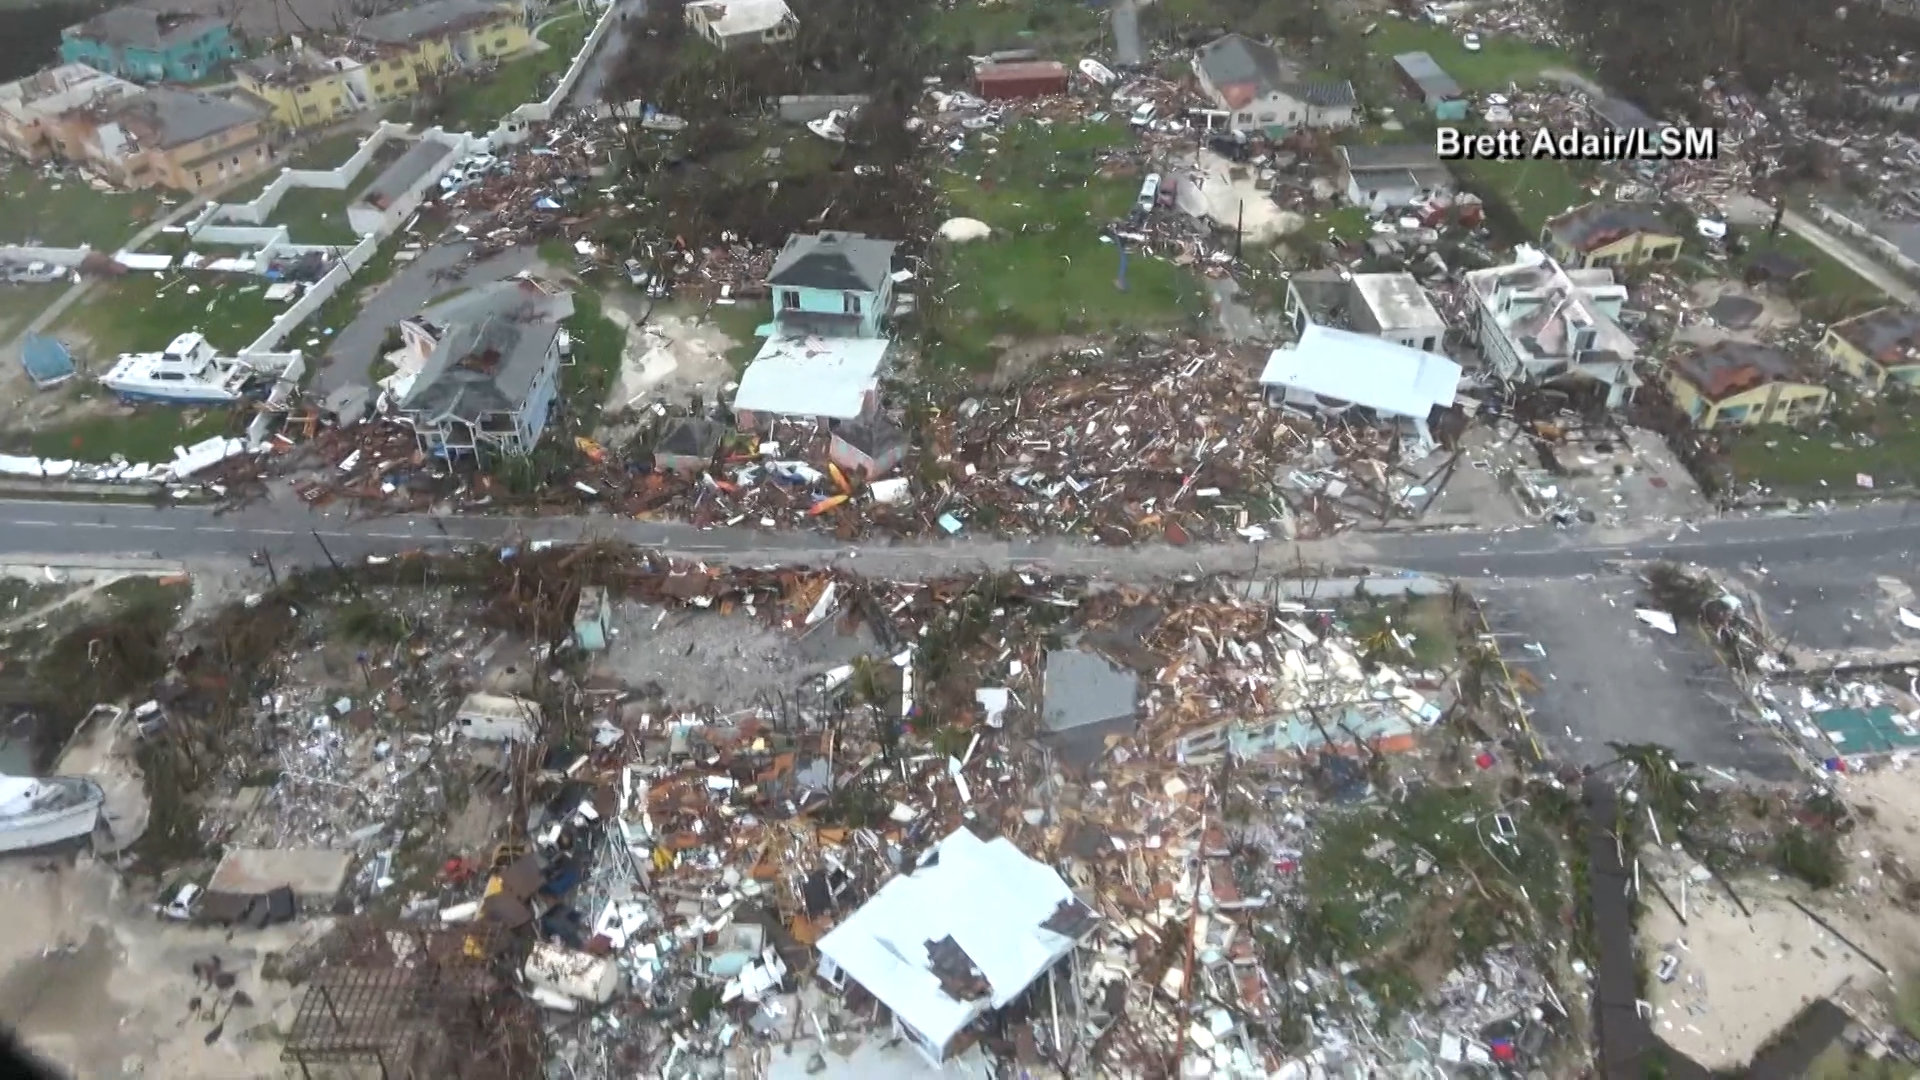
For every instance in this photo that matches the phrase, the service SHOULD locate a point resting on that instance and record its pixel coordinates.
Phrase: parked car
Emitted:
(1144, 114)
(1149, 194)
(1471, 43)
(1434, 14)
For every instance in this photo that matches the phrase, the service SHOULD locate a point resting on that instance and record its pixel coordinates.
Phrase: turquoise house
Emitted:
(832, 284)
(150, 44)
(1425, 79)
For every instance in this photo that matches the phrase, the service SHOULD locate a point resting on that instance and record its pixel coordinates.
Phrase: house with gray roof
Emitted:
(832, 284)
(1605, 233)
(492, 370)
(1263, 92)
(164, 137)
(137, 41)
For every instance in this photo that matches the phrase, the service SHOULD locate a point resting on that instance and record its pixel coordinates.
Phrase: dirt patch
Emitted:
(667, 358)
(93, 981)
(679, 651)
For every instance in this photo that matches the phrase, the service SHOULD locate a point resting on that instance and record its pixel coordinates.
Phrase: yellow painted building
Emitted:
(1604, 234)
(408, 47)
(305, 89)
(1880, 347)
(1735, 384)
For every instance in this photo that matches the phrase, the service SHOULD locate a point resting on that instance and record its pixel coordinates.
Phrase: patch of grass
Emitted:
(1830, 291)
(739, 321)
(19, 304)
(1501, 62)
(1536, 190)
(597, 348)
(319, 215)
(141, 312)
(1049, 26)
(1048, 269)
(1345, 223)
(328, 153)
(1842, 1062)
(1360, 905)
(1810, 855)
(478, 102)
(1880, 440)
(145, 433)
(63, 211)
(1424, 624)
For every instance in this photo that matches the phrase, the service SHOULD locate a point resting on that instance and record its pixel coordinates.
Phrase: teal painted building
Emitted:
(832, 284)
(151, 44)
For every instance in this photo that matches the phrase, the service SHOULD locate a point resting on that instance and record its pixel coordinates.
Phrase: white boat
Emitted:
(187, 372)
(41, 813)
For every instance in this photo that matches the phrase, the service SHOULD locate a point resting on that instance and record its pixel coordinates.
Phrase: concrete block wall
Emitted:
(1882, 248)
(317, 294)
(339, 178)
(545, 109)
(15, 253)
(798, 109)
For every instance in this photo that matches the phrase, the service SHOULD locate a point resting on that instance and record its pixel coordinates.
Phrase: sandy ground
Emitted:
(1210, 190)
(1741, 979)
(93, 980)
(670, 356)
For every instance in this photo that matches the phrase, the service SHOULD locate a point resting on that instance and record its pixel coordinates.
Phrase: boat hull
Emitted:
(46, 828)
(146, 397)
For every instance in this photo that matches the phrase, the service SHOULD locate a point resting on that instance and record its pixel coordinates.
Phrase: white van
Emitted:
(1149, 193)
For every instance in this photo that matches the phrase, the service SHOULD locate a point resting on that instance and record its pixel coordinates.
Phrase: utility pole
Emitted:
(1239, 229)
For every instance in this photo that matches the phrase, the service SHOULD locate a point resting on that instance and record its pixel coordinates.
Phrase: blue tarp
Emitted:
(48, 362)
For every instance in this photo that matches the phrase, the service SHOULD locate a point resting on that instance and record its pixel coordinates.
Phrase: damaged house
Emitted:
(1737, 383)
(1261, 91)
(1877, 348)
(1605, 234)
(831, 292)
(492, 369)
(1391, 307)
(1535, 321)
(1336, 372)
(965, 932)
(734, 24)
(1391, 175)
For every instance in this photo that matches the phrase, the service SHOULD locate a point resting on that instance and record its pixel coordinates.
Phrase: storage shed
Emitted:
(1026, 79)
(1425, 79)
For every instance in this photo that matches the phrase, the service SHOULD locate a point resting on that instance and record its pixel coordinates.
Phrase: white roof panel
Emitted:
(989, 897)
(1381, 375)
(812, 376)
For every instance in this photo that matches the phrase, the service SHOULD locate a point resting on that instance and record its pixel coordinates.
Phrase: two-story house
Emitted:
(1610, 234)
(409, 46)
(31, 109)
(150, 43)
(1391, 307)
(1263, 92)
(1877, 348)
(735, 24)
(491, 371)
(831, 293)
(1738, 384)
(306, 89)
(1535, 321)
(168, 138)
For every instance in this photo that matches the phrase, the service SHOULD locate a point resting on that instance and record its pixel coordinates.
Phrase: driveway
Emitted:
(351, 355)
(591, 88)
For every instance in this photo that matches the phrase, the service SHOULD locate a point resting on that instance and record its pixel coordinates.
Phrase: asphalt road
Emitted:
(1876, 532)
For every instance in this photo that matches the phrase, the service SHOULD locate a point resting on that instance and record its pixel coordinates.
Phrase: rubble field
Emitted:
(655, 799)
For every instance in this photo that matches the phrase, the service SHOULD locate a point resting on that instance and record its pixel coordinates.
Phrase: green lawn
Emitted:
(142, 312)
(1501, 62)
(65, 212)
(479, 103)
(145, 433)
(1831, 289)
(1825, 461)
(739, 321)
(20, 303)
(1047, 270)
(319, 215)
(598, 345)
(1536, 190)
(975, 29)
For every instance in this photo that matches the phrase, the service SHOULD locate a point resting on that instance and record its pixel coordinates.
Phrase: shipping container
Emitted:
(1029, 79)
